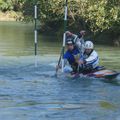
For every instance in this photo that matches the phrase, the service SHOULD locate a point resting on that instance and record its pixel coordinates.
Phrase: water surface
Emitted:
(33, 93)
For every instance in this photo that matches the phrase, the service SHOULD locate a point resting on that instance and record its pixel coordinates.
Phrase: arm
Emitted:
(92, 58)
(80, 35)
(60, 65)
(65, 61)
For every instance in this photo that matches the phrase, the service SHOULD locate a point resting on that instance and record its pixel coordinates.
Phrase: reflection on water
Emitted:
(29, 93)
(18, 39)
(107, 105)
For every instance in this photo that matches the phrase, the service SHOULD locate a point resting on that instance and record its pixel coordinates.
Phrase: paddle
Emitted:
(82, 52)
(64, 38)
(80, 48)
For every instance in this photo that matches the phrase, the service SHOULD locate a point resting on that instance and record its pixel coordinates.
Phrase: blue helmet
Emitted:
(69, 40)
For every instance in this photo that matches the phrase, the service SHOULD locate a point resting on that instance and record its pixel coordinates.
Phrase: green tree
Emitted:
(94, 16)
(102, 14)
(8, 5)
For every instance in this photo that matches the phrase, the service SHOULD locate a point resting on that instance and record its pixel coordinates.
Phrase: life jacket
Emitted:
(69, 55)
(91, 59)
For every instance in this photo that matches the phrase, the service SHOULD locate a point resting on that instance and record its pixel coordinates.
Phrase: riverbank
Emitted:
(10, 16)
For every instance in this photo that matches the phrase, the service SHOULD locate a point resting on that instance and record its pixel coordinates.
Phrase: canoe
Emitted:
(102, 73)
(107, 74)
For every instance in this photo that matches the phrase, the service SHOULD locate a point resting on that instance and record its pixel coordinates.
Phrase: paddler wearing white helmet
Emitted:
(90, 59)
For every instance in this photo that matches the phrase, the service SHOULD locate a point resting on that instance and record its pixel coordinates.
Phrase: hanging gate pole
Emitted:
(35, 33)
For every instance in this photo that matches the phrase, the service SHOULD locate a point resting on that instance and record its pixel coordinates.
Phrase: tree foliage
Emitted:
(94, 15)
(97, 15)
(102, 14)
(7, 5)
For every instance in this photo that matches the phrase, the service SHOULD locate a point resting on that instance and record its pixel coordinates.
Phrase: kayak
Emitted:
(100, 73)
(108, 74)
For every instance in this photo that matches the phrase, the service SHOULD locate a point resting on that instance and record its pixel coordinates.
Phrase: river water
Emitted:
(34, 93)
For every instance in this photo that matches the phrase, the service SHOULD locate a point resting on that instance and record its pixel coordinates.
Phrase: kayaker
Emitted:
(78, 39)
(72, 51)
(90, 60)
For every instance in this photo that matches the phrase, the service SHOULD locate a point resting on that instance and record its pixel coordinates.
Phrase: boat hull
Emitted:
(106, 74)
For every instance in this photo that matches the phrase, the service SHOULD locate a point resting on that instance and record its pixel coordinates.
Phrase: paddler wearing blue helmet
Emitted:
(70, 54)
(71, 51)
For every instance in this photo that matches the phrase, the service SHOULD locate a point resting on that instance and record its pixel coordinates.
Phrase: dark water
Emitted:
(34, 93)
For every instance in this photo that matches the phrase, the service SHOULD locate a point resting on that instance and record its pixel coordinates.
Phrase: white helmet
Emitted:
(89, 45)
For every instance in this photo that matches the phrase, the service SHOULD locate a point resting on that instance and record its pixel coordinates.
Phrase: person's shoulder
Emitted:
(67, 53)
(76, 50)
(94, 52)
